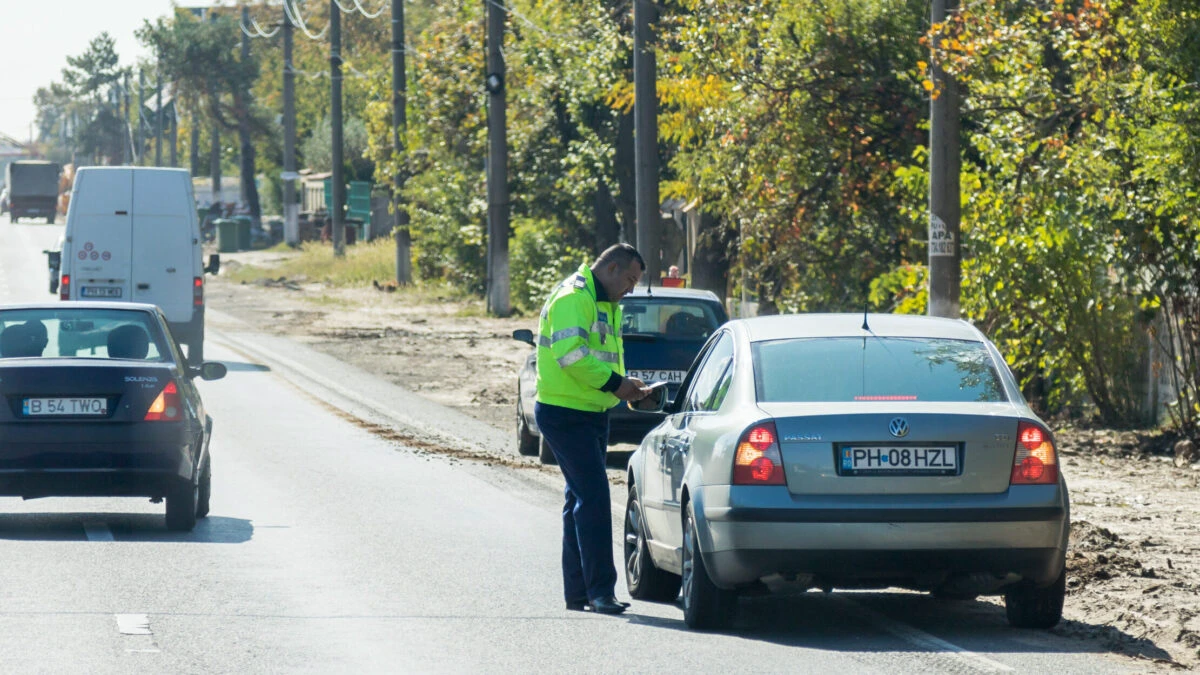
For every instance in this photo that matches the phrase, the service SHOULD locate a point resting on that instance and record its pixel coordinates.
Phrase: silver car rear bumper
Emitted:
(749, 533)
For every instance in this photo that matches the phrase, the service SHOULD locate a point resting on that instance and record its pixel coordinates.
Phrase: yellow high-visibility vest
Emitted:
(579, 346)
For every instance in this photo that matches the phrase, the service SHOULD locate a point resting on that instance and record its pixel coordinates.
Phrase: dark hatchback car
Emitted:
(663, 329)
(98, 402)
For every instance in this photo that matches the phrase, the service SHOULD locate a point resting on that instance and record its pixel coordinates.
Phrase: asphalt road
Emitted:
(331, 548)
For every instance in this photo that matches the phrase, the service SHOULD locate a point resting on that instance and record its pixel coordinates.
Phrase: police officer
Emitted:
(580, 375)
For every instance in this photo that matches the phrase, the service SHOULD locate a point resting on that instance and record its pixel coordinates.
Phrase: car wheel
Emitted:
(704, 604)
(1029, 606)
(181, 507)
(527, 443)
(545, 454)
(50, 220)
(644, 579)
(205, 489)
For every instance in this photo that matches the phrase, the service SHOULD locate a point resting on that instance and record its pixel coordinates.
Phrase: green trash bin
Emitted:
(227, 235)
(243, 232)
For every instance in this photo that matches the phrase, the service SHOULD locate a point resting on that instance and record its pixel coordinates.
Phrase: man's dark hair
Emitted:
(622, 254)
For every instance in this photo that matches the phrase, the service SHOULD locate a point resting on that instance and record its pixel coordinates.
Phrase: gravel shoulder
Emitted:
(1134, 563)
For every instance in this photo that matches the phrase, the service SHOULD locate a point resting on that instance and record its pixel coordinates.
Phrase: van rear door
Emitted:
(165, 253)
(99, 231)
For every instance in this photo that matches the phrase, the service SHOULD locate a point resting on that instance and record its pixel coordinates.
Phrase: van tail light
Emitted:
(198, 291)
(167, 407)
(758, 460)
(1036, 460)
(64, 287)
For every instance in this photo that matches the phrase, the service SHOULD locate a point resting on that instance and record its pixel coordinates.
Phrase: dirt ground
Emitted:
(1134, 563)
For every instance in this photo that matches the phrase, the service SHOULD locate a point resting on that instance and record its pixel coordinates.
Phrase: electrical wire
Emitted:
(254, 23)
(362, 10)
(344, 10)
(293, 15)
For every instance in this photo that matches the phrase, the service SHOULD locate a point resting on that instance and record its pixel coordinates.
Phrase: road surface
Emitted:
(333, 547)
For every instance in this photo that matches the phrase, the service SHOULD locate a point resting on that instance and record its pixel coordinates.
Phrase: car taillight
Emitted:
(198, 291)
(1035, 461)
(167, 407)
(64, 287)
(758, 461)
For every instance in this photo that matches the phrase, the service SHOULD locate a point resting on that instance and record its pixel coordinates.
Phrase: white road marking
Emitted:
(97, 531)
(922, 639)
(133, 624)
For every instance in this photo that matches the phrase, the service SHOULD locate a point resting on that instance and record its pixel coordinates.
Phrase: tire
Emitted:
(705, 606)
(527, 442)
(50, 220)
(204, 493)
(644, 580)
(545, 454)
(181, 507)
(54, 285)
(1029, 606)
(196, 349)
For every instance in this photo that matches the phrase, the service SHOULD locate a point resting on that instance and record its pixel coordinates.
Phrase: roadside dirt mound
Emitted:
(1098, 554)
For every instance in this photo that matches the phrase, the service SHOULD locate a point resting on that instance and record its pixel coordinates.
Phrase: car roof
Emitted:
(83, 304)
(674, 293)
(761, 329)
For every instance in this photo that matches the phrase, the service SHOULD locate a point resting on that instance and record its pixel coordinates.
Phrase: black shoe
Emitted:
(609, 605)
(577, 605)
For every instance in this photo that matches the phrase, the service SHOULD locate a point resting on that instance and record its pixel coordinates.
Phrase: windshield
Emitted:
(669, 318)
(875, 369)
(83, 333)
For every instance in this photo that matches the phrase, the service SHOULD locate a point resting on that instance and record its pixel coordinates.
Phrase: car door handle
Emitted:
(143, 287)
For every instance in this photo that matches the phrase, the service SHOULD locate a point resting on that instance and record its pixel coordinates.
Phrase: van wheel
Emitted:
(54, 285)
(50, 220)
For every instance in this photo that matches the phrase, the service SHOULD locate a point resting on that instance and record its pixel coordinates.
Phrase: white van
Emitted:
(133, 234)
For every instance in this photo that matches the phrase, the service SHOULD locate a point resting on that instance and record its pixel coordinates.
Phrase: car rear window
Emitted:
(668, 318)
(82, 333)
(875, 369)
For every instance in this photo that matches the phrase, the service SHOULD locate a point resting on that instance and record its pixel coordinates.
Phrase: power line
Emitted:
(258, 30)
(364, 12)
(293, 15)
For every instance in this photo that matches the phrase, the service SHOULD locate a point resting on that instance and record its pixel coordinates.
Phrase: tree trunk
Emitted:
(249, 188)
(608, 228)
(626, 184)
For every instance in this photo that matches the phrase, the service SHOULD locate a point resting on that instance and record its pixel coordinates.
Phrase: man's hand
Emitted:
(632, 389)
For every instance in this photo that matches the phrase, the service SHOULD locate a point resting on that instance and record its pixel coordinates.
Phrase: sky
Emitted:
(37, 36)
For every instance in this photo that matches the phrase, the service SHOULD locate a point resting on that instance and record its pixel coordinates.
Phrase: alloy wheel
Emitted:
(635, 543)
(689, 561)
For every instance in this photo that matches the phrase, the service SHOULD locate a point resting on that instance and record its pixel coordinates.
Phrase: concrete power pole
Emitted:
(127, 141)
(497, 165)
(140, 143)
(945, 253)
(335, 112)
(174, 133)
(291, 207)
(158, 119)
(399, 127)
(645, 117)
(215, 164)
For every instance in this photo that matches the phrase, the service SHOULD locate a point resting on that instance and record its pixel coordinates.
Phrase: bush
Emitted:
(539, 258)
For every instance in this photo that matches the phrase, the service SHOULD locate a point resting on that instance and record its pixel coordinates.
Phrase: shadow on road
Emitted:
(123, 527)
(839, 621)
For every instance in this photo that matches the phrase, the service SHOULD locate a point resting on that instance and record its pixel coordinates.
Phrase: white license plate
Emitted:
(33, 407)
(876, 459)
(100, 291)
(648, 376)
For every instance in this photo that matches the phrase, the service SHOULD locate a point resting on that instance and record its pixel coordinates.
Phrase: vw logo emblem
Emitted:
(898, 427)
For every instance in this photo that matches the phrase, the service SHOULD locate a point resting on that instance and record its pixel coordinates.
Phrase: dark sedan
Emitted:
(663, 329)
(114, 414)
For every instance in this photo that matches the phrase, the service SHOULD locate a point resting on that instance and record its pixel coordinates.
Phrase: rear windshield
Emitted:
(875, 369)
(83, 333)
(669, 318)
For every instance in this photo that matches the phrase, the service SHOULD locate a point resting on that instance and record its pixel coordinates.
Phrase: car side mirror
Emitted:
(656, 402)
(524, 335)
(214, 264)
(209, 370)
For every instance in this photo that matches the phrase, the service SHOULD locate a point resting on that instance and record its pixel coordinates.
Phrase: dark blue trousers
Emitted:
(579, 441)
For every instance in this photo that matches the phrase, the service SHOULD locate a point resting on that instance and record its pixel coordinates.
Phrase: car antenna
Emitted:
(865, 326)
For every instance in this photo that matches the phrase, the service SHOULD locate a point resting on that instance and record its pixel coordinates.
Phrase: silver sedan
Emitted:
(849, 451)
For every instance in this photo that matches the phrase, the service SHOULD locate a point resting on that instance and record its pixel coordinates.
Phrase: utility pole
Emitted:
(174, 133)
(215, 164)
(399, 128)
(645, 117)
(497, 165)
(158, 124)
(291, 209)
(338, 183)
(140, 152)
(194, 146)
(127, 141)
(945, 253)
